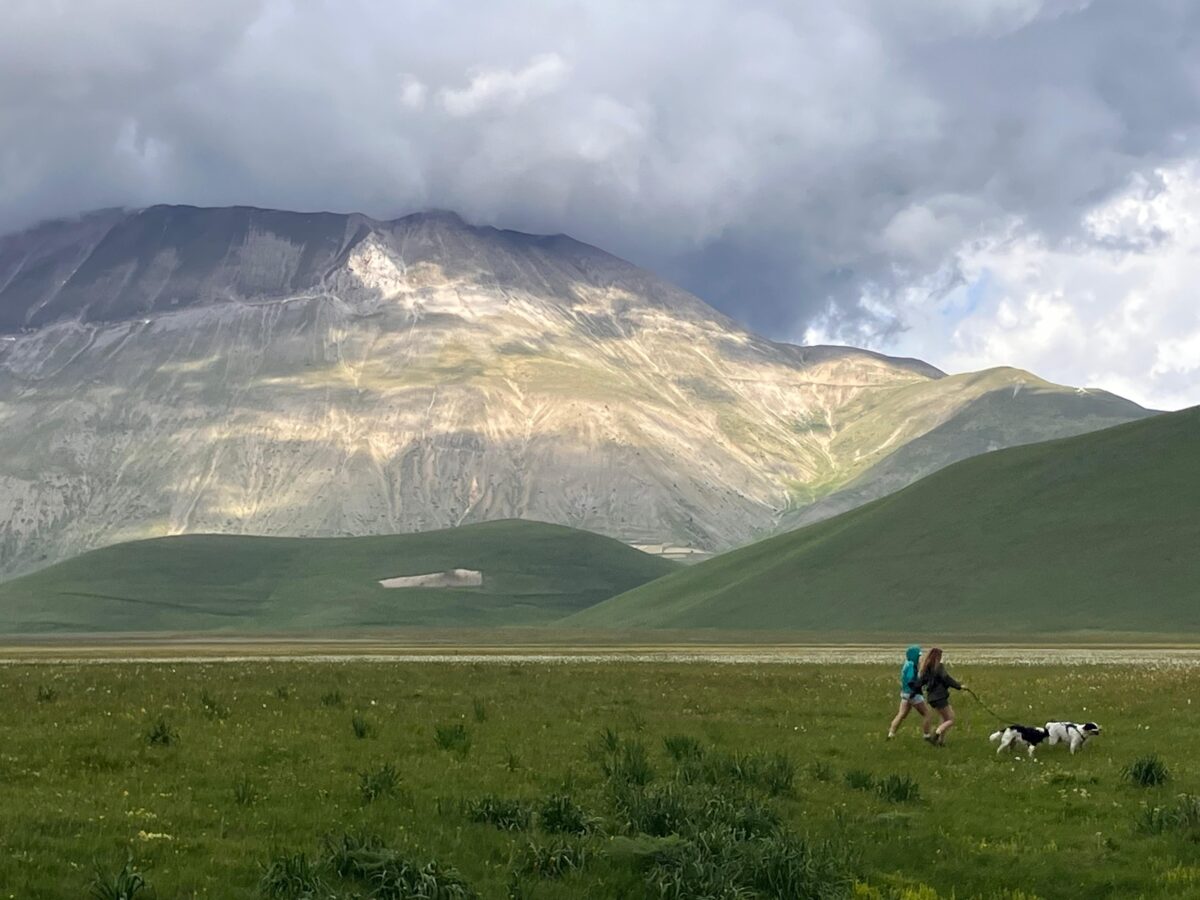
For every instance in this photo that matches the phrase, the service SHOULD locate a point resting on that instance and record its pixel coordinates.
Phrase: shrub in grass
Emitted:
(551, 860)
(721, 768)
(657, 811)
(774, 773)
(743, 820)
(333, 698)
(244, 792)
(627, 765)
(512, 762)
(395, 878)
(559, 814)
(213, 708)
(682, 747)
(778, 774)
(505, 814)
(360, 727)
(161, 734)
(453, 737)
(386, 874)
(125, 884)
(898, 789)
(820, 771)
(860, 780)
(1146, 771)
(46, 694)
(480, 710)
(380, 783)
(1183, 814)
(607, 741)
(714, 865)
(292, 877)
(355, 865)
(783, 865)
(283, 692)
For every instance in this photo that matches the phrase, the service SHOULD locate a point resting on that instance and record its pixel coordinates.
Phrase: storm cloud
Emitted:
(804, 166)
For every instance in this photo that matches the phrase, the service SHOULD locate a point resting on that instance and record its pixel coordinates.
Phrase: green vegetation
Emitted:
(638, 780)
(532, 573)
(1147, 771)
(1096, 533)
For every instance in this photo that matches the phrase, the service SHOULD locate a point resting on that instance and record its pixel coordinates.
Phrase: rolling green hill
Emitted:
(532, 573)
(1095, 533)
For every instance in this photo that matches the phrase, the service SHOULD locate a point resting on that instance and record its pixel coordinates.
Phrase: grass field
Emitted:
(532, 573)
(355, 779)
(1096, 532)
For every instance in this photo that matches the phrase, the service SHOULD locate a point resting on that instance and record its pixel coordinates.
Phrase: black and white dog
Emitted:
(1074, 736)
(1018, 736)
(1030, 736)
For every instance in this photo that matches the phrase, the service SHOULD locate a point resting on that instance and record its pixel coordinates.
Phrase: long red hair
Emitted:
(932, 659)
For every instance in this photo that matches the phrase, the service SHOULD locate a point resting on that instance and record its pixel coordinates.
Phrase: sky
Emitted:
(994, 182)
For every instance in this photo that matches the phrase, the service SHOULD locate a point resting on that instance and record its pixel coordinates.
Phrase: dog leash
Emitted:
(987, 708)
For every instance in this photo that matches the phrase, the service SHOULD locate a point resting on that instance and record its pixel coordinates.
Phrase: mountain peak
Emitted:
(128, 264)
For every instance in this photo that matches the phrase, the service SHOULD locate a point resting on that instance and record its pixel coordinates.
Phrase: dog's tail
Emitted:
(995, 736)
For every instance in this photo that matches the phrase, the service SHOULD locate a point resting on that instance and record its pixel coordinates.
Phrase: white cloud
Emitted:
(412, 92)
(1117, 308)
(506, 88)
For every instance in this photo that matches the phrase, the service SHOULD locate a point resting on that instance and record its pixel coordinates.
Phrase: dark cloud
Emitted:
(776, 158)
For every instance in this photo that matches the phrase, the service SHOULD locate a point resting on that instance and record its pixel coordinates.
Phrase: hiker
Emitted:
(910, 694)
(936, 682)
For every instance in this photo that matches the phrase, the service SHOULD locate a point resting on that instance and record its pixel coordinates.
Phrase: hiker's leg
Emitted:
(926, 719)
(905, 706)
(947, 714)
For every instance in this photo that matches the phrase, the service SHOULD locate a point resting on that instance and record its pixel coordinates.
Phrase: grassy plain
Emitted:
(255, 763)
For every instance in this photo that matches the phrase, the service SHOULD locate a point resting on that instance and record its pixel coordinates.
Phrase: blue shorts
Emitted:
(914, 699)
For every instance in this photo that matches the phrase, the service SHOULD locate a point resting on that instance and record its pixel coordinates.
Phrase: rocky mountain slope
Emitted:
(174, 370)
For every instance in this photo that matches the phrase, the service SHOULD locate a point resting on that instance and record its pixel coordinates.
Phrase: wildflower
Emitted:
(154, 836)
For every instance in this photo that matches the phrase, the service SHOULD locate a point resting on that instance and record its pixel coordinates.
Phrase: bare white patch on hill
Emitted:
(451, 578)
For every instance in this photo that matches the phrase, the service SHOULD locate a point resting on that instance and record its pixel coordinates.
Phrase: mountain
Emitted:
(179, 370)
(531, 573)
(1095, 533)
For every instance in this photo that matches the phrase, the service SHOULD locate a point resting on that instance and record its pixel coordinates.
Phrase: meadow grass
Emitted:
(596, 780)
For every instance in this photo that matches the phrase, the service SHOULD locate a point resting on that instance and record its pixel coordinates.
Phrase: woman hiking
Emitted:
(910, 694)
(936, 682)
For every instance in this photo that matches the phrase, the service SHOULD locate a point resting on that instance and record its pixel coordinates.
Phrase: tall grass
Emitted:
(161, 734)
(559, 814)
(1146, 771)
(378, 783)
(244, 792)
(454, 737)
(124, 884)
(552, 859)
(1180, 815)
(505, 814)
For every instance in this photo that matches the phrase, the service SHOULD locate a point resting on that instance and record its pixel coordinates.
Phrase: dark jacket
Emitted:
(936, 685)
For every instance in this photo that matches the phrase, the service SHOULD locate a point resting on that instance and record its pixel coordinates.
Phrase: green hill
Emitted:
(1095, 533)
(532, 573)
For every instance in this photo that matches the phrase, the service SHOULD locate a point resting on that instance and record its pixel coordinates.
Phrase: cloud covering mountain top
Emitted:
(810, 168)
